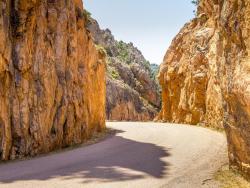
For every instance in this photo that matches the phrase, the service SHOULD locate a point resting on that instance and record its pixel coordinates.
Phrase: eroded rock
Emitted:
(132, 92)
(52, 78)
(206, 75)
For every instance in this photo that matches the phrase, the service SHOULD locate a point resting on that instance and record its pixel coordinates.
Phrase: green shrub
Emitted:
(114, 74)
(123, 52)
(146, 64)
(101, 49)
(195, 2)
(87, 14)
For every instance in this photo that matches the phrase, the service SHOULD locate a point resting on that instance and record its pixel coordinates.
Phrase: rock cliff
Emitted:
(205, 76)
(132, 92)
(52, 89)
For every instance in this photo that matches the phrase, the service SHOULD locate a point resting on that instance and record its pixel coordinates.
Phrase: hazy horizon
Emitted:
(150, 26)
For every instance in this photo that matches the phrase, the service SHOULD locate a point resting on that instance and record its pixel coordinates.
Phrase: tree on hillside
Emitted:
(195, 2)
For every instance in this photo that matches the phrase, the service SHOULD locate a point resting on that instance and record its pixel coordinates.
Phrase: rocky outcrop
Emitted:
(52, 90)
(132, 92)
(206, 75)
(189, 79)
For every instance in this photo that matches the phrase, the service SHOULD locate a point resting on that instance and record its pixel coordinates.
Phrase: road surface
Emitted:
(143, 155)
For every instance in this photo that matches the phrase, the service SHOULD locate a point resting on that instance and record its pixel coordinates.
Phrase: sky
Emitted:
(150, 24)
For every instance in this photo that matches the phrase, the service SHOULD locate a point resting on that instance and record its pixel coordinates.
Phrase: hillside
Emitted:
(132, 90)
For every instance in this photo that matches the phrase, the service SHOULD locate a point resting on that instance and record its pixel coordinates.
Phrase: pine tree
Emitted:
(195, 2)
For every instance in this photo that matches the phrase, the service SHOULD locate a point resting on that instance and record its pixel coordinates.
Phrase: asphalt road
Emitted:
(143, 155)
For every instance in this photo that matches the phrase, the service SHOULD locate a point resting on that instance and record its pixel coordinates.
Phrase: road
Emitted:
(143, 155)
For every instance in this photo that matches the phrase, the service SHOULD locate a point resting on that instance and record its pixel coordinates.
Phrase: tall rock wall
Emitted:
(52, 79)
(206, 75)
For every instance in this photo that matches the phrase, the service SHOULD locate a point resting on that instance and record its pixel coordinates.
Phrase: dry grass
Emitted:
(213, 128)
(99, 136)
(231, 179)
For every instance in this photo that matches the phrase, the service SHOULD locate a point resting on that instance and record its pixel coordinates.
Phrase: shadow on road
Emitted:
(114, 159)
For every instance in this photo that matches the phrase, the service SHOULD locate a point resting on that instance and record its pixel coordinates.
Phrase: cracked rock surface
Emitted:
(206, 75)
(52, 78)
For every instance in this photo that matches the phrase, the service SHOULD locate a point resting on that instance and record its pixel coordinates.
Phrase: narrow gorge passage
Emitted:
(66, 67)
(139, 155)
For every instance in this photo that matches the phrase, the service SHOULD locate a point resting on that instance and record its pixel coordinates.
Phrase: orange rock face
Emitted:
(191, 92)
(206, 75)
(52, 79)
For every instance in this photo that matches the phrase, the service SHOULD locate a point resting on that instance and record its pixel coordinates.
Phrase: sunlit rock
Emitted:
(206, 75)
(52, 78)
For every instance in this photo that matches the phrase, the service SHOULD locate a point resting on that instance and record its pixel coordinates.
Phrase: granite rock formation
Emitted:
(132, 92)
(52, 78)
(205, 76)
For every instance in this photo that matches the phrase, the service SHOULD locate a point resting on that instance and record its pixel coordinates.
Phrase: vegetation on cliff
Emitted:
(132, 90)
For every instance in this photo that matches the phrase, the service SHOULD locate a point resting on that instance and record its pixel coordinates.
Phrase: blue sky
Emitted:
(149, 24)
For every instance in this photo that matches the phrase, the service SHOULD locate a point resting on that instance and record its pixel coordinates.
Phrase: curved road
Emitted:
(143, 155)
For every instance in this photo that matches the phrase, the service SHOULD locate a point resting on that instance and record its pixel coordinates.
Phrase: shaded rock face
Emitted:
(206, 75)
(52, 79)
(132, 92)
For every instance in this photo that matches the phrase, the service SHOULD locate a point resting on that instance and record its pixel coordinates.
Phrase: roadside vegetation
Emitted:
(230, 178)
